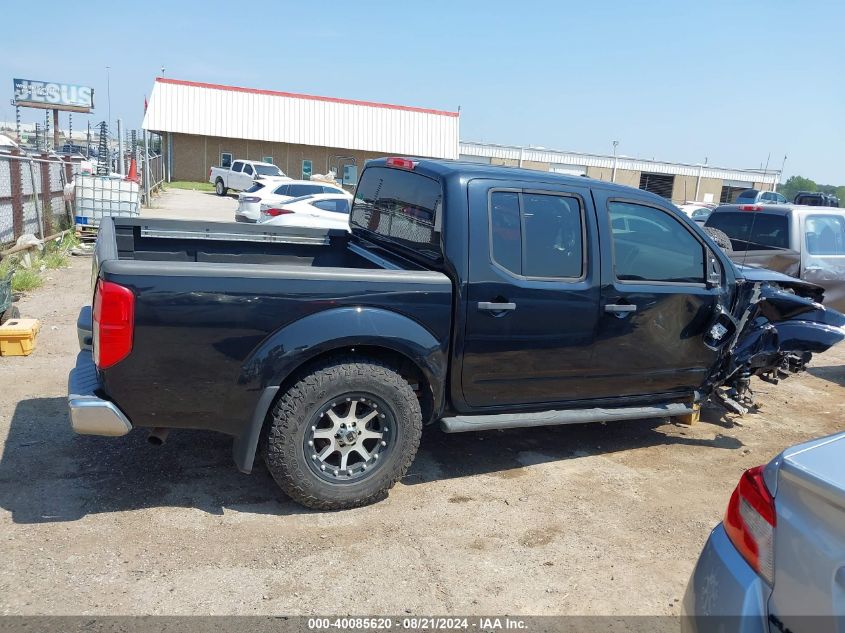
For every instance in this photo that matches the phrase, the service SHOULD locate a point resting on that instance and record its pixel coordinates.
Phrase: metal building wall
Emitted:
(224, 111)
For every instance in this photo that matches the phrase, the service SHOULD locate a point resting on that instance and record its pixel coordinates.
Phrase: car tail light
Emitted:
(209, 173)
(750, 207)
(114, 323)
(750, 522)
(401, 163)
(274, 213)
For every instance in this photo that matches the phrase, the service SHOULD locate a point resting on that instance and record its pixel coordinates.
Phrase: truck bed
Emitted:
(213, 303)
(180, 241)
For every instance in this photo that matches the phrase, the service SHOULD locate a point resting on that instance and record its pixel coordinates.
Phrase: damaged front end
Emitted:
(776, 325)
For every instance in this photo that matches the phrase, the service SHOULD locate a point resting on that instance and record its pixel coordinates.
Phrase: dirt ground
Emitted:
(590, 519)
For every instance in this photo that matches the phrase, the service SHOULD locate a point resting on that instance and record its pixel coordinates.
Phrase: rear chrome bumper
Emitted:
(90, 414)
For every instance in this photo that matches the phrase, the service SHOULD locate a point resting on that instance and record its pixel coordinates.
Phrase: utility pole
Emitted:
(615, 161)
(780, 174)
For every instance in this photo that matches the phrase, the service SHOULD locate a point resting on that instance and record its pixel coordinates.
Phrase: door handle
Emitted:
(496, 307)
(620, 308)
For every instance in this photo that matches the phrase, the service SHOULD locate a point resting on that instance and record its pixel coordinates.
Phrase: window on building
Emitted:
(661, 184)
(652, 245)
(225, 160)
(537, 235)
(825, 234)
(267, 159)
(306, 170)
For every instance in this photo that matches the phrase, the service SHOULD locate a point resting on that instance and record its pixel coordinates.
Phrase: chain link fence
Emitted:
(32, 196)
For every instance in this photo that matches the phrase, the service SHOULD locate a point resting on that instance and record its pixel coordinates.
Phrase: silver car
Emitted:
(776, 563)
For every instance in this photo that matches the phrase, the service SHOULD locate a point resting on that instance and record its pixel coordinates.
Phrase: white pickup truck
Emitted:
(242, 175)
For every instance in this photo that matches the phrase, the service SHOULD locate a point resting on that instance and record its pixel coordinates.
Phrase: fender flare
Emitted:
(286, 350)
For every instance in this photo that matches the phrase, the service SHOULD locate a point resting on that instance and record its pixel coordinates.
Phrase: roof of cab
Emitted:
(446, 168)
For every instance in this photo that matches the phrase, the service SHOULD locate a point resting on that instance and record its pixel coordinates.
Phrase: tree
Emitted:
(794, 184)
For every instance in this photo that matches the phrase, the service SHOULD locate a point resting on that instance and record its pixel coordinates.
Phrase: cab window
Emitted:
(825, 234)
(537, 234)
(651, 245)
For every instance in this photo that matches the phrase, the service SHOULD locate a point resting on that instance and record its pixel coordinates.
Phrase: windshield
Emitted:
(255, 187)
(268, 170)
(752, 231)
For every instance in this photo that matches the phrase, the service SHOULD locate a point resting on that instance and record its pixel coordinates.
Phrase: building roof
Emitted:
(559, 158)
(189, 107)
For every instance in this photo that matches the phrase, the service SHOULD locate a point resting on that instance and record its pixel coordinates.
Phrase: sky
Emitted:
(736, 83)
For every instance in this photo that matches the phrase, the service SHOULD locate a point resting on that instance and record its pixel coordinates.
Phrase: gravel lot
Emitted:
(592, 519)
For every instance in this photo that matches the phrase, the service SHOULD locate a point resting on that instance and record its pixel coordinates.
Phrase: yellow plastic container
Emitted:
(17, 337)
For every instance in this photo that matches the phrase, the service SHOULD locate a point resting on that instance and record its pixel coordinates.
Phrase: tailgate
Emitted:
(810, 537)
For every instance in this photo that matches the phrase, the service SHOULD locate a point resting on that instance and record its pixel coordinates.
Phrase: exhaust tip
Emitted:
(158, 436)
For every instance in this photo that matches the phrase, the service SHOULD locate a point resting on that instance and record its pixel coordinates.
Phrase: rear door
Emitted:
(533, 296)
(823, 255)
(233, 178)
(246, 177)
(656, 300)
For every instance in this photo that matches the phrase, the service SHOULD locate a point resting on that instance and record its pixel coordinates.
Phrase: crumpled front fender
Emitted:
(773, 331)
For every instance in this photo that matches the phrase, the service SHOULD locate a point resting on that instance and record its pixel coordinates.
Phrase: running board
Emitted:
(462, 423)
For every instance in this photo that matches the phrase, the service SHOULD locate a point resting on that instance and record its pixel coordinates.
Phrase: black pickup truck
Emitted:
(481, 297)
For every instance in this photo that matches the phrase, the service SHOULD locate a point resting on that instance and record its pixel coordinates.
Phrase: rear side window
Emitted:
(752, 230)
(304, 190)
(237, 166)
(400, 206)
(537, 235)
(282, 190)
(339, 205)
(652, 245)
(825, 234)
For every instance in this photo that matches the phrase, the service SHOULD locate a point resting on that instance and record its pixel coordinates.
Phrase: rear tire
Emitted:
(720, 237)
(219, 188)
(312, 448)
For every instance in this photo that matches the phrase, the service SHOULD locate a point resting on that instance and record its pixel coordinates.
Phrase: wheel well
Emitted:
(402, 364)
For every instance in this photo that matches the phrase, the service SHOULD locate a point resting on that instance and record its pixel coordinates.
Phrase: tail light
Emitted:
(750, 522)
(114, 323)
(209, 173)
(273, 213)
(750, 207)
(401, 163)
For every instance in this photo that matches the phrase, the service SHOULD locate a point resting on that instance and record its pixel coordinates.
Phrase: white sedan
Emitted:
(323, 211)
(251, 200)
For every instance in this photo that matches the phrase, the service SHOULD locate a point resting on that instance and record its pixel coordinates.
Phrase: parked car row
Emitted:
(295, 203)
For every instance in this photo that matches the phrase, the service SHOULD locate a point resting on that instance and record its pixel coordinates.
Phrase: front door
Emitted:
(532, 302)
(656, 302)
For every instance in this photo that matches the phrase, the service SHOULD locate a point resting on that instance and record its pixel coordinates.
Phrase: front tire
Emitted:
(219, 188)
(344, 434)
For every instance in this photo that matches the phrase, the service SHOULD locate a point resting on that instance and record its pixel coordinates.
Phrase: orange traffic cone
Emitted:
(133, 171)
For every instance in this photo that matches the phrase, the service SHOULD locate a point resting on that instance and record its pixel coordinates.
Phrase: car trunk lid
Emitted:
(809, 550)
